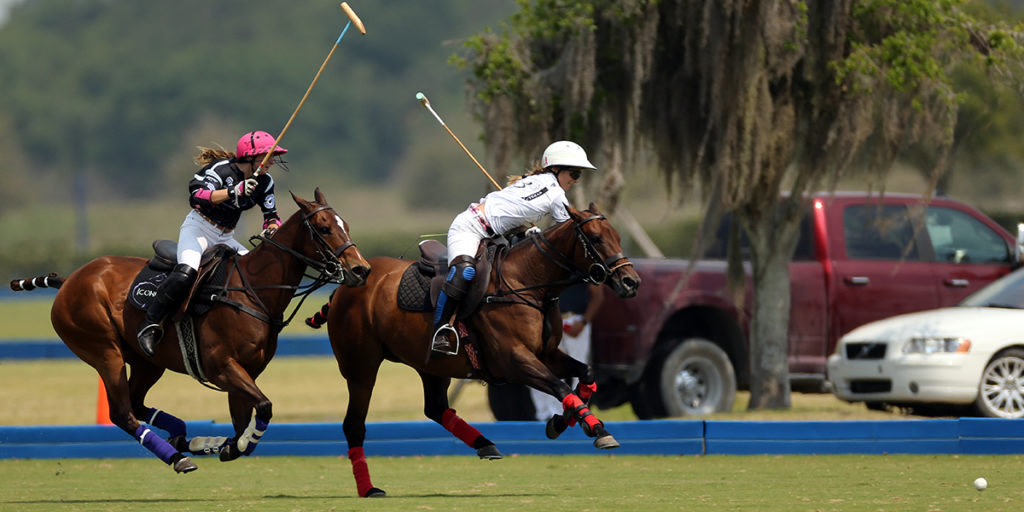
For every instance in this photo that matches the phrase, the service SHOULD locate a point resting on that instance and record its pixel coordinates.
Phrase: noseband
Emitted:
(598, 271)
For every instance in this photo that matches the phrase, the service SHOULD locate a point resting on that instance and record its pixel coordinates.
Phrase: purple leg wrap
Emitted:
(261, 427)
(155, 444)
(164, 421)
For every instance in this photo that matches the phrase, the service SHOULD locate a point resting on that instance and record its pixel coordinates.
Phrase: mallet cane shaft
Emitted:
(352, 19)
(426, 103)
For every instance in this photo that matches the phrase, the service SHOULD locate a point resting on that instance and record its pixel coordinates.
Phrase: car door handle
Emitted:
(857, 280)
(956, 283)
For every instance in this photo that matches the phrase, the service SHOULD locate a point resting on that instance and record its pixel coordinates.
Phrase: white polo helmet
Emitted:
(566, 153)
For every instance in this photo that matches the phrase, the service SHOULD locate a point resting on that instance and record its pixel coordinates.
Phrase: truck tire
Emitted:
(1001, 375)
(695, 377)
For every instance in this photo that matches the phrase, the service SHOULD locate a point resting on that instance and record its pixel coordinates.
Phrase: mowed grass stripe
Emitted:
(578, 483)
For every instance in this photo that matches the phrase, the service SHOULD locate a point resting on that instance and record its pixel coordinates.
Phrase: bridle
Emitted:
(596, 273)
(329, 266)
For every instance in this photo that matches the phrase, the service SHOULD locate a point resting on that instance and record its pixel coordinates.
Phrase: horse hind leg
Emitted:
(436, 407)
(121, 415)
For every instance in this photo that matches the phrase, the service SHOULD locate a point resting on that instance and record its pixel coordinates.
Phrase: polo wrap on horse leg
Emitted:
(251, 435)
(364, 487)
(173, 425)
(585, 391)
(460, 429)
(578, 411)
(163, 450)
(169, 295)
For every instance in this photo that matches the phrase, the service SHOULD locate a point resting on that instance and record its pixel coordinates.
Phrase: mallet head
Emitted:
(352, 16)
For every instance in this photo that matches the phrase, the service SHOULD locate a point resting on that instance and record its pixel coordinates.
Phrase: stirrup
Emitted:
(149, 337)
(443, 334)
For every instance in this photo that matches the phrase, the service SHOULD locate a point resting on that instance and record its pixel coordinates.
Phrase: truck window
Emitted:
(718, 248)
(876, 232)
(960, 238)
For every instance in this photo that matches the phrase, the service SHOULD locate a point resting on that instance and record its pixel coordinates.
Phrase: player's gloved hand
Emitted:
(242, 189)
(270, 227)
(533, 231)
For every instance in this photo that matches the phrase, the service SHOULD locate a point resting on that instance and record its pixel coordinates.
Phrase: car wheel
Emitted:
(696, 377)
(1001, 391)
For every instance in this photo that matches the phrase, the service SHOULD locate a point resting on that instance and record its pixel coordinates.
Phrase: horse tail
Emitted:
(48, 281)
(320, 317)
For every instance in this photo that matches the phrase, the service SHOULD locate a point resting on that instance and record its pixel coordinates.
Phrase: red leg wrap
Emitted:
(456, 425)
(360, 470)
(579, 412)
(587, 390)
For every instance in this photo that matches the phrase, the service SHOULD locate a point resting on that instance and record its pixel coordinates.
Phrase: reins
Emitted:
(596, 274)
(329, 267)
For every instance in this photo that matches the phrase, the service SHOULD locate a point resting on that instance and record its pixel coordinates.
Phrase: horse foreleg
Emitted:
(435, 407)
(360, 389)
(536, 374)
(243, 397)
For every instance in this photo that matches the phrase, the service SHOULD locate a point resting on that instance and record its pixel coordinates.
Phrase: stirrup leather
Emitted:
(452, 336)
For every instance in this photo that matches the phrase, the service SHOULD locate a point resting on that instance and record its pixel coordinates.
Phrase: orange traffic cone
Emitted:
(102, 407)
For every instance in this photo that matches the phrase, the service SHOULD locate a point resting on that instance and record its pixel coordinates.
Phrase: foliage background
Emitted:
(102, 103)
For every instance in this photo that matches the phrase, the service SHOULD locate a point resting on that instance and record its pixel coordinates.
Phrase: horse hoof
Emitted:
(230, 452)
(606, 442)
(185, 465)
(375, 493)
(489, 452)
(179, 443)
(555, 426)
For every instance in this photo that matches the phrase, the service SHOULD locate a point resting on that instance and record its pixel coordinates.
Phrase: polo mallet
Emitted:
(426, 103)
(352, 18)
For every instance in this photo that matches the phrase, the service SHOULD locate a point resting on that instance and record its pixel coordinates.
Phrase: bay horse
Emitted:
(236, 338)
(510, 341)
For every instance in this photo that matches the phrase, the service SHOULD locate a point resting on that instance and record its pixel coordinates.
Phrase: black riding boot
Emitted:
(168, 297)
(454, 289)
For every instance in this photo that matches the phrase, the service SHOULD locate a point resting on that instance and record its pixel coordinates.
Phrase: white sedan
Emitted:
(969, 354)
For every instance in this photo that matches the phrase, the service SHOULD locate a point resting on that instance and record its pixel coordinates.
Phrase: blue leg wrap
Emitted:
(155, 444)
(164, 421)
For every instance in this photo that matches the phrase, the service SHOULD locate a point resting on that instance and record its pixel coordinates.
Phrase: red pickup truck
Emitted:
(860, 258)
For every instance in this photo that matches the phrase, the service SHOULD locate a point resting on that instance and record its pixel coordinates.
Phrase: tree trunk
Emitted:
(769, 324)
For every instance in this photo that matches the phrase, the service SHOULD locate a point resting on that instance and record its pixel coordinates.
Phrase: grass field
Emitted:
(548, 483)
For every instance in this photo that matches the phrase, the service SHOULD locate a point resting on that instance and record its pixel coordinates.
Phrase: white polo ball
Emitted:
(980, 484)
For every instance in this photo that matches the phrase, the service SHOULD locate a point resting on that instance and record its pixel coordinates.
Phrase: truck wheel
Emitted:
(999, 392)
(695, 378)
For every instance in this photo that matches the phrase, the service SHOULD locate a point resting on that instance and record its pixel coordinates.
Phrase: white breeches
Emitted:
(197, 235)
(464, 236)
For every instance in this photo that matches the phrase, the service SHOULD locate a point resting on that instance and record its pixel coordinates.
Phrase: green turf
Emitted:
(576, 483)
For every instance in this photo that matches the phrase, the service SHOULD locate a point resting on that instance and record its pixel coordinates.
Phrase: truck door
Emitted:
(879, 271)
(968, 254)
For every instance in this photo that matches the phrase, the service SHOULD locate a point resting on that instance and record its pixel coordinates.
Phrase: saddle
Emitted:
(212, 273)
(421, 283)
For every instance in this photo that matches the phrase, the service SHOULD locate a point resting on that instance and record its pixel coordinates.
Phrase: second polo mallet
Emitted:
(426, 103)
(352, 19)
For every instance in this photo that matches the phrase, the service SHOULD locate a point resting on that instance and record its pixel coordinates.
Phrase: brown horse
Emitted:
(509, 334)
(236, 338)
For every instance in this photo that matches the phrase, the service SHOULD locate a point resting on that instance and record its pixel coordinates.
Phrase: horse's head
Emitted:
(329, 249)
(600, 252)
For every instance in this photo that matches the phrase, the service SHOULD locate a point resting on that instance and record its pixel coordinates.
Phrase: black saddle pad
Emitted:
(414, 290)
(143, 289)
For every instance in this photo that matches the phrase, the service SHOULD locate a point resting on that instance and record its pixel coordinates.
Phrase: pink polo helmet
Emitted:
(256, 143)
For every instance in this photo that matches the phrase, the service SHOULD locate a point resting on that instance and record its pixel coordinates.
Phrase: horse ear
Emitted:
(300, 201)
(593, 208)
(319, 196)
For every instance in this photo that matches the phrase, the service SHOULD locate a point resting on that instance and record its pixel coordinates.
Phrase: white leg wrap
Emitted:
(250, 435)
(207, 445)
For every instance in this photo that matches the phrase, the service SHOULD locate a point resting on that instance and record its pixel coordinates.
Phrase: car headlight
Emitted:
(937, 345)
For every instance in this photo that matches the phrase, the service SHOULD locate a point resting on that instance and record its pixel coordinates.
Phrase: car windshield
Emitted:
(1006, 292)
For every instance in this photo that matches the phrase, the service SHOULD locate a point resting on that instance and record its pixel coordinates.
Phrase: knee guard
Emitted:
(455, 287)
